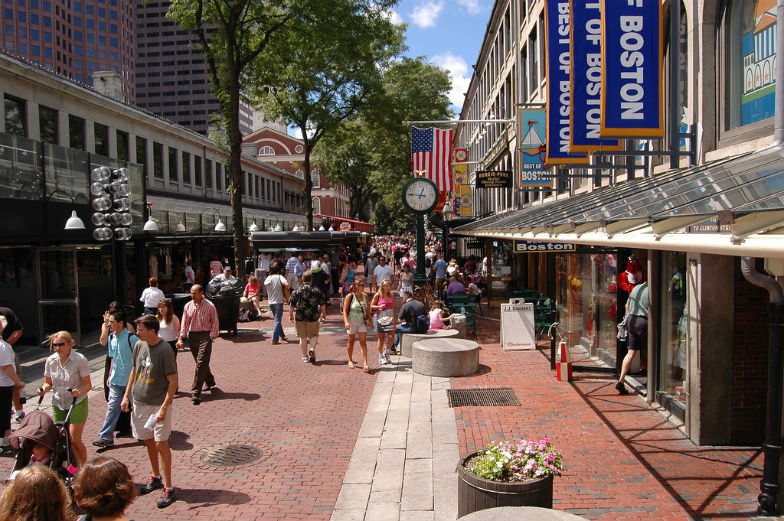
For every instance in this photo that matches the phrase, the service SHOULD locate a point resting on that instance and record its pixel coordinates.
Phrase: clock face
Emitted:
(421, 195)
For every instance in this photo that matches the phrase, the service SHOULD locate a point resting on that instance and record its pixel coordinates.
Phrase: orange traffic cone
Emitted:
(563, 368)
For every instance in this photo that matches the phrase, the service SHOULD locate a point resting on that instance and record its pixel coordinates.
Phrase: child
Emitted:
(437, 318)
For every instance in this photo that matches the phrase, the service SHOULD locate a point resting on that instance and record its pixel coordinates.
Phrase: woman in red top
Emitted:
(383, 308)
(253, 292)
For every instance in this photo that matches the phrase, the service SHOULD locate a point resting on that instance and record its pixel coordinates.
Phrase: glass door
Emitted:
(58, 293)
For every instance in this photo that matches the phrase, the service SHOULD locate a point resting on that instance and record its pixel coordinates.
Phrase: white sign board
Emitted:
(518, 329)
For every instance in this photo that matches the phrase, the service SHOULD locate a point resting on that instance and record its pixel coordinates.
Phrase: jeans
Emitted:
(403, 328)
(113, 412)
(277, 314)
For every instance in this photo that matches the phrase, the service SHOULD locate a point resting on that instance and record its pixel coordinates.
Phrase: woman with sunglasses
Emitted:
(169, 323)
(68, 375)
(356, 317)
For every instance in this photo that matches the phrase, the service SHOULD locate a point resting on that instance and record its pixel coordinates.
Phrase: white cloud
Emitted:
(472, 6)
(424, 15)
(459, 72)
(393, 16)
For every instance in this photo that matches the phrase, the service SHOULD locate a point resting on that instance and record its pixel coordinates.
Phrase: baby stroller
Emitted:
(39, 428)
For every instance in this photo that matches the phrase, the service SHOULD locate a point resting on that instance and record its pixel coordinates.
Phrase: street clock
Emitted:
(420, 195)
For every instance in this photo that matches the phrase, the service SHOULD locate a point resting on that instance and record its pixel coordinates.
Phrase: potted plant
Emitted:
(508, 474)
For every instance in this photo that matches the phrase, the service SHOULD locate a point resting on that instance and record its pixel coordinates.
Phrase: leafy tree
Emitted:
(370, 153)
(326, 69)
(232, 34)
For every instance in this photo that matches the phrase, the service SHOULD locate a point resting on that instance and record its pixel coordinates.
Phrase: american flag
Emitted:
(431, 155)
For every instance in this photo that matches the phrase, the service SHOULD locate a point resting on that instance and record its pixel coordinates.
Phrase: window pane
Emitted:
(186, 168)
(15, 116)
(157, 160)
(174, 173)
(76, 131)
(101, 134)
(197, 170)
(47, 120)
(141, 153)
(122, 145)
(208, 173)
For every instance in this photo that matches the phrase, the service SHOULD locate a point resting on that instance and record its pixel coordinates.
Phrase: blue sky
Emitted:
(448, 33)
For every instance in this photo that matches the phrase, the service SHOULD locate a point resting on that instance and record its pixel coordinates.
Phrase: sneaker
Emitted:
(305, 359)
(154, 483)
(312, 356)
(196, 399)
(621, 388)
(167, 498)
(19, 415)
(386, 357)
(103, 443)
(382, 360)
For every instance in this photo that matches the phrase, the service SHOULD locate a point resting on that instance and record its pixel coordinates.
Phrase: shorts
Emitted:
(357, 327)
(306, 329)
(638, 332)
(78, 413)
(139, 416)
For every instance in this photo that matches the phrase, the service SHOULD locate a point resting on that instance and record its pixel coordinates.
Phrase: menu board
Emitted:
(518, 328)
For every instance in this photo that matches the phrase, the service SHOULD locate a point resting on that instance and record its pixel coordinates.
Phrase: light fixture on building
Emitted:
(446, 212)
(73, 222)
(296, 228)
(321, 228)
(277, 227)
(253, 227)
(331, 229)
(150, 225)
(219, 226)
(180, 227)
(111, 192)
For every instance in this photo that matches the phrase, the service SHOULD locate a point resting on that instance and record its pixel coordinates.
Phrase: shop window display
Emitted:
(674, 326)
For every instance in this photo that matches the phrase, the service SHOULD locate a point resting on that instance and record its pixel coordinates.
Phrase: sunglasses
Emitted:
(58, 344)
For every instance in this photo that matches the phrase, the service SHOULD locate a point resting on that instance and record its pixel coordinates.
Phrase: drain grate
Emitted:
(230, 455)
(487, 397)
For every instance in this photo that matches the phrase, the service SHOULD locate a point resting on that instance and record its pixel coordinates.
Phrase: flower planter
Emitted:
(475, 493)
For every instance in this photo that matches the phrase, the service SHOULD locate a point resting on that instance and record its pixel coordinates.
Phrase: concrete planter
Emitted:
(475, 493)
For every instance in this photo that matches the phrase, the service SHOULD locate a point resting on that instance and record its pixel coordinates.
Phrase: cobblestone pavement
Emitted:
(302, 424)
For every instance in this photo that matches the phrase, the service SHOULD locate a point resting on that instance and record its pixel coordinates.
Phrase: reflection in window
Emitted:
(15, 116)
(101, 135)
(174, 173)
(76, 132)
(674, 326)
(141, 153)
(316, 205)
(122, 145)
(314, 176)
(157, 160)
(186, 168)
(47, 121)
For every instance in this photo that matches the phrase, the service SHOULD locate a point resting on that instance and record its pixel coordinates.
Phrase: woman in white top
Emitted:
(151, 296)
(169, 323)
(8, 381)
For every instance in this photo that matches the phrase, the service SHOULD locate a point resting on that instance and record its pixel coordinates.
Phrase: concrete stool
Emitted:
(445, 357)
(520, 514)
(407, 339)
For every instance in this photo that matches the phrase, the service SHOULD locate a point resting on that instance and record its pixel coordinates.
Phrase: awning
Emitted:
(730, 207)
(360, 226)
(304, 241)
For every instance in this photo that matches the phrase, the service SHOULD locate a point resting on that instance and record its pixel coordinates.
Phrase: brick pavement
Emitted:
(624, 460)
(304, 418)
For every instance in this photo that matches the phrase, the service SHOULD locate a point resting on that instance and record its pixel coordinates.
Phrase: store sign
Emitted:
(632, 69)
(586, 86)
(542, 247)
(463, 203)
(709, 226)
(494, 179)
(518, 331)
(531, 129)
(345, 227)
(559, 85)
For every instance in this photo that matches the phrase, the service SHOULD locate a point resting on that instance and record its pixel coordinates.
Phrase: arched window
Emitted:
(749, 52)
(267, 150)
(316, 205)
(314, 176)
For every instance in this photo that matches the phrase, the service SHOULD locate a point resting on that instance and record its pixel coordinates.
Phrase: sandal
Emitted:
(366, 369)
(350, 364)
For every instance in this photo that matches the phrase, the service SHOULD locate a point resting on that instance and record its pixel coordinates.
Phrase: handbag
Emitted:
(384, 321)
(623, 329)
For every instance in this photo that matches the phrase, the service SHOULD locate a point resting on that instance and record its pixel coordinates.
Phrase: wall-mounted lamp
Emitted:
(321, 228)
(219, 226)
(111, 193)
(150, 225)
(73, 222)
(296, 228)
(253, 227)
(277, 227)
(180, 227)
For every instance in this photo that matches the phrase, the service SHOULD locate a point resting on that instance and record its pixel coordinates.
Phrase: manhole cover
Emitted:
(229, 455)
(488, 397)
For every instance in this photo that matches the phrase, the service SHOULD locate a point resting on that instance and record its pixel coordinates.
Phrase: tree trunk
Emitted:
(308, 179)
(235, 141)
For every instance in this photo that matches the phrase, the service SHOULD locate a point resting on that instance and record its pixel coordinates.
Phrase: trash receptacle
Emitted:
(228, 308)
(178, 301)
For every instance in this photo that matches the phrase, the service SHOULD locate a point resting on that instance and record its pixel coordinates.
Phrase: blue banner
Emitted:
(586, 54)
(559, 107)
(531, 131)
(632, 63)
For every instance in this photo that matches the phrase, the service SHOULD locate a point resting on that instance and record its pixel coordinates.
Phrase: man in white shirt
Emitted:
(370, 268)
(263, 270)
(382, 272)
(151, 296)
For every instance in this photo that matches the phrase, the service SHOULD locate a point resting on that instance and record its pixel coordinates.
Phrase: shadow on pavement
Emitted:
(217, 394)
(178, 440)
(195, 497)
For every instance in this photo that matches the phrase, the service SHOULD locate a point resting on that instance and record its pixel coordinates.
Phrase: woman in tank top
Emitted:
(169, 323)
(383, 307)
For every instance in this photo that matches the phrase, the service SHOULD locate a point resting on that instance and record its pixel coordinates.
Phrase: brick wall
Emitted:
(750, 376)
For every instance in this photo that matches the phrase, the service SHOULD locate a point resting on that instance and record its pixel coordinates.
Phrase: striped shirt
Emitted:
(291, 264)
(203, 317)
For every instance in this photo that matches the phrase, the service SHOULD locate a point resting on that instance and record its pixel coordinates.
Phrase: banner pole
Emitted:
(675, 124)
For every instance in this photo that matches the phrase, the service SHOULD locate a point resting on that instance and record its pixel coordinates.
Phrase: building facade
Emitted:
(53, 133)
(682, 228)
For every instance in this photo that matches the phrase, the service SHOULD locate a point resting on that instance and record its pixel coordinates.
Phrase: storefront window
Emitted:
(587, 289)
(674, 323)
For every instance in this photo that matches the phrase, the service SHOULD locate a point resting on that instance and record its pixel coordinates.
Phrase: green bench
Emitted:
(456, 303)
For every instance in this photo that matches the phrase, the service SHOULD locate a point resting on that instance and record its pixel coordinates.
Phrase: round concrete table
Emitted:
(407, 339)
(445, 357)
(520, 514)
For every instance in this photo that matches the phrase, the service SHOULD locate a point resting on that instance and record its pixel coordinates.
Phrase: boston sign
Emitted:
(540, 246)
(632, 69)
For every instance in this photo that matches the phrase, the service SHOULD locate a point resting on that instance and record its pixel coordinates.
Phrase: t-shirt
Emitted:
(382, 273)
(264, 261)
(153, 364)
(6, 358)
(410, 311)
(440, 269)
(455, 288)
(638, 300)
(121, 353)
(307, 300)
(189, 275)
(151, 296)
(66, 376)
(274, 286)
(14, 324)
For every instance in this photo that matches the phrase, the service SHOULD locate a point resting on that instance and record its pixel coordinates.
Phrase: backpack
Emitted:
(422, 323)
